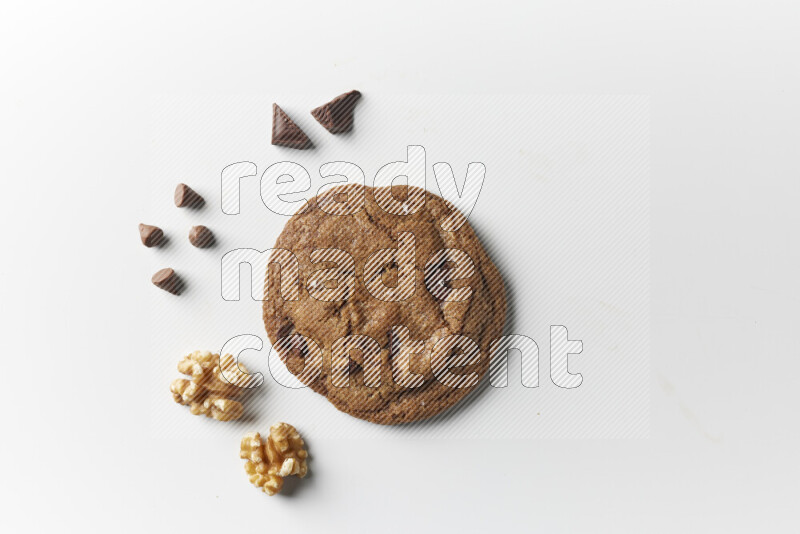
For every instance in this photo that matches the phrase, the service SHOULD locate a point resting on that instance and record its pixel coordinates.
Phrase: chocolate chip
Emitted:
(152, 236)
(286, 133)
(201, 237)
(353, 367)
(285, 329)
(168, 280)
(337, 115)
(185, 196)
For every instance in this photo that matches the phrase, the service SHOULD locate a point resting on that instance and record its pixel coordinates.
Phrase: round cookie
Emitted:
(352, 310)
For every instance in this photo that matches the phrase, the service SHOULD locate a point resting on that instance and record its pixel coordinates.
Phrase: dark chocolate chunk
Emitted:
(201, 237)
(168, 280)
(285, 132)
(353, 367)
(337, 115)
(152, 236)
(285, 329)
(185, 196)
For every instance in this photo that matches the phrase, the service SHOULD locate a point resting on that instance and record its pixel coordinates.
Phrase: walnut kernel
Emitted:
(268, 461)
(215, 383)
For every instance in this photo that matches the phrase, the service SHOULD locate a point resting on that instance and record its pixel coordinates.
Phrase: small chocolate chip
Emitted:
(168, 280)
(285, 329)
(185, 196)
(286, 133)
(353, 367)
(201, 237)
(152, 236)
(337, 115)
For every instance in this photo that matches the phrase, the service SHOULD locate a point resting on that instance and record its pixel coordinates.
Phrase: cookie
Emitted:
(424, 315)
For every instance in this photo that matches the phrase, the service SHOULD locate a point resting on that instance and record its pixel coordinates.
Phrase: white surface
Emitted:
(77, 449)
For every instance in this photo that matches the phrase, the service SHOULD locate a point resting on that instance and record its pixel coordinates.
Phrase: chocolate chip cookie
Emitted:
(394, 315)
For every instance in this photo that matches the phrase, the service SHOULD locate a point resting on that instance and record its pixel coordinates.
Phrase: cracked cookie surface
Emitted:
(480, 317)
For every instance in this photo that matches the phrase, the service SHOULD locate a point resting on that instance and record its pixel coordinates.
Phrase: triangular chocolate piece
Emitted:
(337, 115)
(285, 132)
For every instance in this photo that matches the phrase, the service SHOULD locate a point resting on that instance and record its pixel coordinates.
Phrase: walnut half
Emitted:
(268, 461)
(208, 392)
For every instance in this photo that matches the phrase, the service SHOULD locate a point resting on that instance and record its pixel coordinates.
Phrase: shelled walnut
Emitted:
(268, 461)
(215, 383)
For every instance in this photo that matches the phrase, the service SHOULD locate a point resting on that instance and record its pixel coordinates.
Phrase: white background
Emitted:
(78, 452)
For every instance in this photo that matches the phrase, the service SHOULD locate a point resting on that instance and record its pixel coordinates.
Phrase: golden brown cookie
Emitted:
(338, 309)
